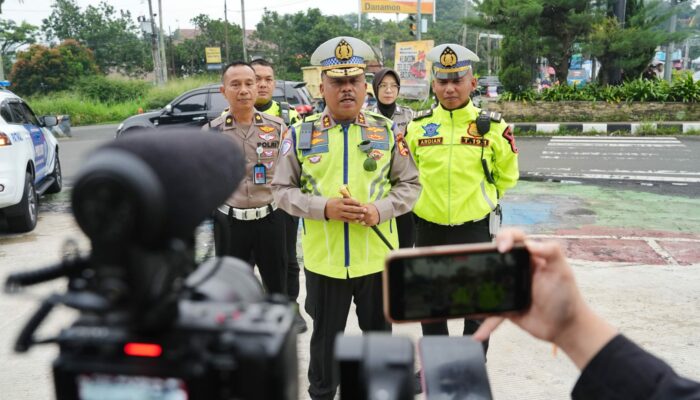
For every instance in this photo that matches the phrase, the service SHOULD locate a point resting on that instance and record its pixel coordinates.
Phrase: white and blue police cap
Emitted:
(342, 56)
(451, 61)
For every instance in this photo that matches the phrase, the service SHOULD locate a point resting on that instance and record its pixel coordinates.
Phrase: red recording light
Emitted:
(142, 350)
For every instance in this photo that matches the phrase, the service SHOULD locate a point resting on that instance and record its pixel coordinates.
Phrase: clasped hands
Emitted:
(351, 210)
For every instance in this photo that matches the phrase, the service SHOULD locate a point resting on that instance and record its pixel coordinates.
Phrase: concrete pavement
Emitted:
(635, 255)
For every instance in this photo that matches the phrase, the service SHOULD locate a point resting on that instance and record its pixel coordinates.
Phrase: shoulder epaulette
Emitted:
(216, 122)
(423, 114)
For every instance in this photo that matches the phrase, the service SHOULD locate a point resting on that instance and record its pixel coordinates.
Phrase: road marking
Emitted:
(672, 179)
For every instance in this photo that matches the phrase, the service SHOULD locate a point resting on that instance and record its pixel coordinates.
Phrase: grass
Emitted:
(86, 111)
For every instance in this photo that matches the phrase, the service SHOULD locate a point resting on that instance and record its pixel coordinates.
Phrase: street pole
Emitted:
(359, 14)
(245, 52)
(157, 71)
(161, 43)
(670, 48)
(2, 70)
(226, 34)
(420, 23)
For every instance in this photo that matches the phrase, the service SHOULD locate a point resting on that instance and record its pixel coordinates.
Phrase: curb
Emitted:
(625, 127)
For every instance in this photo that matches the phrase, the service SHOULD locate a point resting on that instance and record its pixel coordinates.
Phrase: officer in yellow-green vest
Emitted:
(467, 159)
(343, 257)
(265, 79)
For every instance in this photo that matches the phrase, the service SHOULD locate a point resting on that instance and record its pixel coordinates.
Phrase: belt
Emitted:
(248, 214)
(460, 224)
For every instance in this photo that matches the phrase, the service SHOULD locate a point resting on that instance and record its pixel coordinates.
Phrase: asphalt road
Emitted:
(642, 274)
(663, 164)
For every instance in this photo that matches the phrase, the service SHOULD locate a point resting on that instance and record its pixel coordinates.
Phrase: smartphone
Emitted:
(442, 282)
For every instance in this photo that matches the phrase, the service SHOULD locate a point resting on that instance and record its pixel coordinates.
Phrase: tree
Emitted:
(189, 55)
(112, 36)
(516, 21)
(12, 37)
(630, 48)
(294, 37)
(560, 26)
(46, 69)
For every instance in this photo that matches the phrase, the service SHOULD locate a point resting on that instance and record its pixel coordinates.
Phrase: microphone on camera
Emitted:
(151, 186)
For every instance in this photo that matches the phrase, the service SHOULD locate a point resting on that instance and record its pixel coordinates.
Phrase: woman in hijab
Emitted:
(386, 85)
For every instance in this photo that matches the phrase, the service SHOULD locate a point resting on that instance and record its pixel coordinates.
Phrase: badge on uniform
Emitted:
(259, 170)
(430, 129)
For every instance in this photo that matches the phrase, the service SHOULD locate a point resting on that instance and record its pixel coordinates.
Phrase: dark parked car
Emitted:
(198, 106)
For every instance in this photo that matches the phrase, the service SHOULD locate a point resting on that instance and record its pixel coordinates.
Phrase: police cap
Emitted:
(342, 56)
(451, 61)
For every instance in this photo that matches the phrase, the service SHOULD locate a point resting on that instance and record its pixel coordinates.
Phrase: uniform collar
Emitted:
(265, 106)
(327, 122)
(469, 111)
(230, 121)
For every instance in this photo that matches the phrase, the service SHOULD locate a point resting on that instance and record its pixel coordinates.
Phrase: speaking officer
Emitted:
(249, 221)
(467, 159)
(265, 78)
(343, 257)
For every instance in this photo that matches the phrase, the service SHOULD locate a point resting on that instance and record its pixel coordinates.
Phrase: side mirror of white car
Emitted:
(49, 120)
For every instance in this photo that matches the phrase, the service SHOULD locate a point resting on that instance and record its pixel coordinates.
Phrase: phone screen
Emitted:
(458, 283)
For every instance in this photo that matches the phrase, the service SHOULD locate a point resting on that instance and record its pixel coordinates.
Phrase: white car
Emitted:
(29, 164)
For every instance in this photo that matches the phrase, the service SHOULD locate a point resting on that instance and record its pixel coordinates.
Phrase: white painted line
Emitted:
(695, 126)
(661, 252)
(598, 153)
(547, 128)
(660, 172)
(642, 138)
(614, 237)
(614, 145)
(621, 177)
(595, 127)
(615, 141)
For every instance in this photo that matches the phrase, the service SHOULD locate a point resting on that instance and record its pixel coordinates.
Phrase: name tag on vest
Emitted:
(430, 141)
(472, 141)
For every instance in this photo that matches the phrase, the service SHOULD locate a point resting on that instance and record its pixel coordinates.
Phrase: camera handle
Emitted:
(67, 267)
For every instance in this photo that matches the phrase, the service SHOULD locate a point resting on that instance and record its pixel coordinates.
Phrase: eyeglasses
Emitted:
(384, 86)
(370, 164)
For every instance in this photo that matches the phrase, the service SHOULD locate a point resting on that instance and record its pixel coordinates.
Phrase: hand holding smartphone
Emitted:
(441, 282)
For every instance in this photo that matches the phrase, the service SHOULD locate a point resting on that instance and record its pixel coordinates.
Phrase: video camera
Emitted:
(153, 324)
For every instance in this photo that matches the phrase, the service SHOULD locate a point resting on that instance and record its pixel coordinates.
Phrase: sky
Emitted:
(177, 13)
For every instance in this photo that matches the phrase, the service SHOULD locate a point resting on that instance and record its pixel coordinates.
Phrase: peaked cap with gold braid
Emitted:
(451, 61)
(342, 56)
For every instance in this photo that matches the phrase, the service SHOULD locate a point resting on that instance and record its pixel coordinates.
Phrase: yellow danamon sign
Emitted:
(395, 6)
(213, 55)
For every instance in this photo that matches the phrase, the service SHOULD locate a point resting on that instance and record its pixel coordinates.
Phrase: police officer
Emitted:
(249, 221)
(265, 78)
(386, 85)
(343, 257)
(467, 159)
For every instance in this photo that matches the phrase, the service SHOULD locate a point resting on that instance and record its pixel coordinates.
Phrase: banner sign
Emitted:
(213, 55)
(413, 68)
(396, 6)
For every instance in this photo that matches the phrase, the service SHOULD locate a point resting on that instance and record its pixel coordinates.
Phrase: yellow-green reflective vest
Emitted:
(333, 248)
(447, 150)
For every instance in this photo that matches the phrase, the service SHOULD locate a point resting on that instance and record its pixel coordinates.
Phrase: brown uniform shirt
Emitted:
(402, 116)
(266, 133)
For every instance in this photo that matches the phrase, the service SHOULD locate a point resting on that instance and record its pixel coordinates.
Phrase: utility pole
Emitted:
(670, 48)
(359, 14)
(226, 34)
(420, 23)
(161, 43)
(2, 70)
(245, 52)
(157, 70)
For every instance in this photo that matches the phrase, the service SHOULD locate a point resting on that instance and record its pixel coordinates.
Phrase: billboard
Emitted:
(413, 68)
(396, 6)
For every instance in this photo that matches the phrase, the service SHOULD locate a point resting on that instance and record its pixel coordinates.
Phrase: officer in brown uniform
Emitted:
(249, 220)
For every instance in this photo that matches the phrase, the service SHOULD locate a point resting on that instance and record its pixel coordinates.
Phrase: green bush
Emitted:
(107, 90)
(82, 110)
(683, 89)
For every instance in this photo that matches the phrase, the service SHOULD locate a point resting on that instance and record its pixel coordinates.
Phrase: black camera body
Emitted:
(214, 351)
(153, 323)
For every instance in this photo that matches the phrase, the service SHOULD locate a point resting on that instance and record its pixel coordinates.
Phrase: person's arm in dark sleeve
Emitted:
(623, 370)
